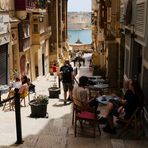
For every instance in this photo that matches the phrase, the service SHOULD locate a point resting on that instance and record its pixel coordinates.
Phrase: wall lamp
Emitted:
(48, 1)
(132, 28)
(98, 1)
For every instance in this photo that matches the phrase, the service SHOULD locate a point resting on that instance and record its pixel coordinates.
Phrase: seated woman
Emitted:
(24, 89)
(81, 96)
(24, 86)
(133, 98)
(17, 83)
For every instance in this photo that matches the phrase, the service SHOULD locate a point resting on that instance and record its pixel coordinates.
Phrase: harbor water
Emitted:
(85, 36)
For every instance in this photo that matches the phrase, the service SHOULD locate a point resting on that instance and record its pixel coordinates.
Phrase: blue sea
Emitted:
(85, 36)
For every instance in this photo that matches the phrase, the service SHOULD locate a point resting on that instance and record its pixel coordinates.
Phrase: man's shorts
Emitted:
(67, 86)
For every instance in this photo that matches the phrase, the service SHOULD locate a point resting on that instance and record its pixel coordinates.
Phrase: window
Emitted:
(35, 28)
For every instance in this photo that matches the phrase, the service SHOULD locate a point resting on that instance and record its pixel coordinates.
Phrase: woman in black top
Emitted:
(133, 98)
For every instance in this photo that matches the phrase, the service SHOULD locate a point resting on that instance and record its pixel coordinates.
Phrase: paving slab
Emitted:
(47, 141)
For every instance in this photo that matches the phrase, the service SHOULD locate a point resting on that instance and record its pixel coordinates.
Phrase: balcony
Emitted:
(23, 5)
(24, 35)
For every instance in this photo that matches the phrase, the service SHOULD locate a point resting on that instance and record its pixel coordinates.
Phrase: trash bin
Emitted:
(54, 92)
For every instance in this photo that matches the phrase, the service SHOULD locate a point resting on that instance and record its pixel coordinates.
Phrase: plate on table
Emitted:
(102, 86)
(105, 98)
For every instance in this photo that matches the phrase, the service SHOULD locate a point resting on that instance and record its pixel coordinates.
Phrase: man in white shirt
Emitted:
(81, 96)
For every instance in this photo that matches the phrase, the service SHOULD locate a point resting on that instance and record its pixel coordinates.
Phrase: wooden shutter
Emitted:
(122, 7)
(140, 17)
(128, 13)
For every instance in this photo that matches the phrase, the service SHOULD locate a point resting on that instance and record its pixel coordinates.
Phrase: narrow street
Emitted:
(56, 131)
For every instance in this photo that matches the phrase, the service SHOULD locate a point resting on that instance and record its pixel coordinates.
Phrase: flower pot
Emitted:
(54, 92)
(38, 110)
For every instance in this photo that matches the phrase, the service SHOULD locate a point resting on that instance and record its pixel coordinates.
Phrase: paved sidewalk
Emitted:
(56, 131)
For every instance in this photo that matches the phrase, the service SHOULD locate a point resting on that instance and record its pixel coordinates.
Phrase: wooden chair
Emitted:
(136, 121)
(10, 104)
(74, 109)
(82, 115)
(23, 96)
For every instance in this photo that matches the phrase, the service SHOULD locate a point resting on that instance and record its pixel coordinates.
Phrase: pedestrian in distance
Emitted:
(54, 70)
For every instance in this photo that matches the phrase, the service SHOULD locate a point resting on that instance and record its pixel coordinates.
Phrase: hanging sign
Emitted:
(4, 19)
(4, 39)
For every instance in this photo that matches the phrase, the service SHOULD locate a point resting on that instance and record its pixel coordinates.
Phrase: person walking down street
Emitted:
(67, 77)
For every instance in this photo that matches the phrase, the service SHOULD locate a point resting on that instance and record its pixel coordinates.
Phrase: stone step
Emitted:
(119, 143)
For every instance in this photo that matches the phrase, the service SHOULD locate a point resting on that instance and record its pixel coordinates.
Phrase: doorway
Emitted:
(43, 64)
(4, 64)
(137, 61)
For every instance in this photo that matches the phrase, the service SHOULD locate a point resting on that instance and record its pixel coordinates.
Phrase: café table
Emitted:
(101, 86)
(104, 99)
(98, 87)
(95, 77)
(3, 89)
(97, 80)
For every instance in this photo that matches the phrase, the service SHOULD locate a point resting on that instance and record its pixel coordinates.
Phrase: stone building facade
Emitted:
(134, 20)
(33, 34)
(5, 29)
(106, 37)
(124, 41)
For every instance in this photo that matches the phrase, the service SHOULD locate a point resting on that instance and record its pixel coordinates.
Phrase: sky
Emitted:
(79, 5)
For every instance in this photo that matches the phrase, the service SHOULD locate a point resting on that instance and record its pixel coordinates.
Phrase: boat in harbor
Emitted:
(78, 41)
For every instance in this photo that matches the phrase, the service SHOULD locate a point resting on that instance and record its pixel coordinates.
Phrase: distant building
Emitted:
(79, 20)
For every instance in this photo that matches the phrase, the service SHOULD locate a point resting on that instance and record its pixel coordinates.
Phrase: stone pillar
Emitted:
(66, 23)
(54, 25)
(64, 18)
(60, 25)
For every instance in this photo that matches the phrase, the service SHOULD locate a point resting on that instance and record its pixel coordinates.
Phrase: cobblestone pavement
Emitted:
(56, 131)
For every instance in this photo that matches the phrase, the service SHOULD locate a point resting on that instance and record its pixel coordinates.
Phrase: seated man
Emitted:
(80, 95)
(133, 98)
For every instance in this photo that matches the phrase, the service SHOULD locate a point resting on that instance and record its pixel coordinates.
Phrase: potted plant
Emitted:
(39, 106)
(54, 91)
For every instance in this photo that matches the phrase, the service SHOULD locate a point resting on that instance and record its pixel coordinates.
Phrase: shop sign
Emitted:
(4, 39)
(4, 19)
(3, 28)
